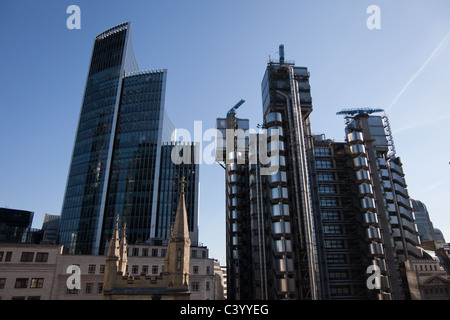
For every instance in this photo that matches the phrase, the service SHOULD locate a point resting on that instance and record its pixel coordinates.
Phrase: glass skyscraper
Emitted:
(116, 160)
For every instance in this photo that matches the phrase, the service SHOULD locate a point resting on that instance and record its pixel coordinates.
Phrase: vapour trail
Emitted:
(411, 80)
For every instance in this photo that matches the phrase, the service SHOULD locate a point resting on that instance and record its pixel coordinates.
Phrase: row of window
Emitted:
(25, 257)
(22, 283)
(144, 252)
(88, 289)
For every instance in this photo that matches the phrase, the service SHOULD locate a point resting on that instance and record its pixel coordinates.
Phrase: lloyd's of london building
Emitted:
(328, 213)
(121, 161)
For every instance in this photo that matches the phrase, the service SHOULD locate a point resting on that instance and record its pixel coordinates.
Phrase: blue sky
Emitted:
(216, 54)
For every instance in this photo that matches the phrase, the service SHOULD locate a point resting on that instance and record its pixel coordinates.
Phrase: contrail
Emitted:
(440, 45)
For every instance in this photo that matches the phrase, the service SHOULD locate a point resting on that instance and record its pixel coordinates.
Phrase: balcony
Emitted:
(400, 190)
(405, 202)
(397, 178)
(396, 168)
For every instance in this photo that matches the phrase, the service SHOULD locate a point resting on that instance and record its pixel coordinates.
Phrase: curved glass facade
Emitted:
(116, 161)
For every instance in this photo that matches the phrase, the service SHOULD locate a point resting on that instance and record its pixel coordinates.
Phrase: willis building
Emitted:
(308, 217)
(121, 157)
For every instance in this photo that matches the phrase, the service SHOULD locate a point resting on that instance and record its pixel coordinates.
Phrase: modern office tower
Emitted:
(385, 204)
(15, 225)
(49, 229)
(307, 217)
(238, 250)
(171, 173)
(271, 245)
(336, 202)
(116, 160)
(423, 221)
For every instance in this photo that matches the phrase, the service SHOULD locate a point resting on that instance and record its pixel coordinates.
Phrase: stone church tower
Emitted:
(178, 251)
(173, 283)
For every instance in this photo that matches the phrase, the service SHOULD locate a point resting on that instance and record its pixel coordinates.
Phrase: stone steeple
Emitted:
(178, 251)
(113, 250)
(123, 250)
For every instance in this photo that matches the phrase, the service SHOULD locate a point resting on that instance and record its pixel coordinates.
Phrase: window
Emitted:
(325, 176)
(336, 258)
(330, 215)
(37, 283)
(163, 252)
(135, 252)
(17, 298)
(8, 256)
(102, 269)
(71, 291)
(338, 275)
(41, 257)
(208, 286)
(335, 244)
(34, 298)
(154, 252)
(324, 164)
(195, 269)
(99, 288)
(1, 255)
(154, 269)
(134, 269)
(91, 269)
(208, 270)
(328, 202)
(88, 288)
(327, 188)
(27, 257)
(194, 286)
(194, 254)
(145, 252)
(332, 229)
(339, 291)
(21, 283)
(144, 270)
(324, 152)
(2, 283)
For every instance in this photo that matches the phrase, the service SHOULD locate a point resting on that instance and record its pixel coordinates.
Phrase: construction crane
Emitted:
(352, 112)
(233, 110)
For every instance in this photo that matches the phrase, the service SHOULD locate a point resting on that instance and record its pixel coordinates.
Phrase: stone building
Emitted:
(172, 284)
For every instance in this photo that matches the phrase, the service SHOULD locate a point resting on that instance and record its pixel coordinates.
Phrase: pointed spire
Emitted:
(123, 250)
(113, 250)
(180, 229)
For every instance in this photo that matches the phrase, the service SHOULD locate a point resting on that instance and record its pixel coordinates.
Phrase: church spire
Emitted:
(113, 250)
(180, 229)
(178, 251)
(123, 250)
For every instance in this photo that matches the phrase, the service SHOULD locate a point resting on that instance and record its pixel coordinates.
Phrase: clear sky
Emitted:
(216, 53)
